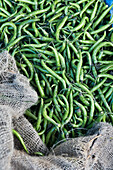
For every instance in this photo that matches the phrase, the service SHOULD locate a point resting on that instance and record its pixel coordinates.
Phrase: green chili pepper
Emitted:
(79, 68)
(84, 101)
(84, 112)
(29, 65)
(20, 139)
(60, 27)
(86, 6)
(53, 73)
(98, 85)
(47, 117)
(39, 115)
(82, 23)
(41, 91)
(71, 108)
(102, 16)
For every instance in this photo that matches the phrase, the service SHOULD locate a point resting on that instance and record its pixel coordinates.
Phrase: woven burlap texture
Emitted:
(92, 152)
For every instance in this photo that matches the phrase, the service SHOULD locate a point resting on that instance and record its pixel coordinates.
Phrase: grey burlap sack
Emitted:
(16, 96)
(92, 152)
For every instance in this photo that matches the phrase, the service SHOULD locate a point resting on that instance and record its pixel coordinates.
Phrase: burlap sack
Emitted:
(92, 152)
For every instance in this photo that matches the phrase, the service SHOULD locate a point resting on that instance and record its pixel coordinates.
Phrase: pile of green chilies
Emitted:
(65, 48)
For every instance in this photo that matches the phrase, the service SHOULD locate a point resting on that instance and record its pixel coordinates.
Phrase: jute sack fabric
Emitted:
(92, 152)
